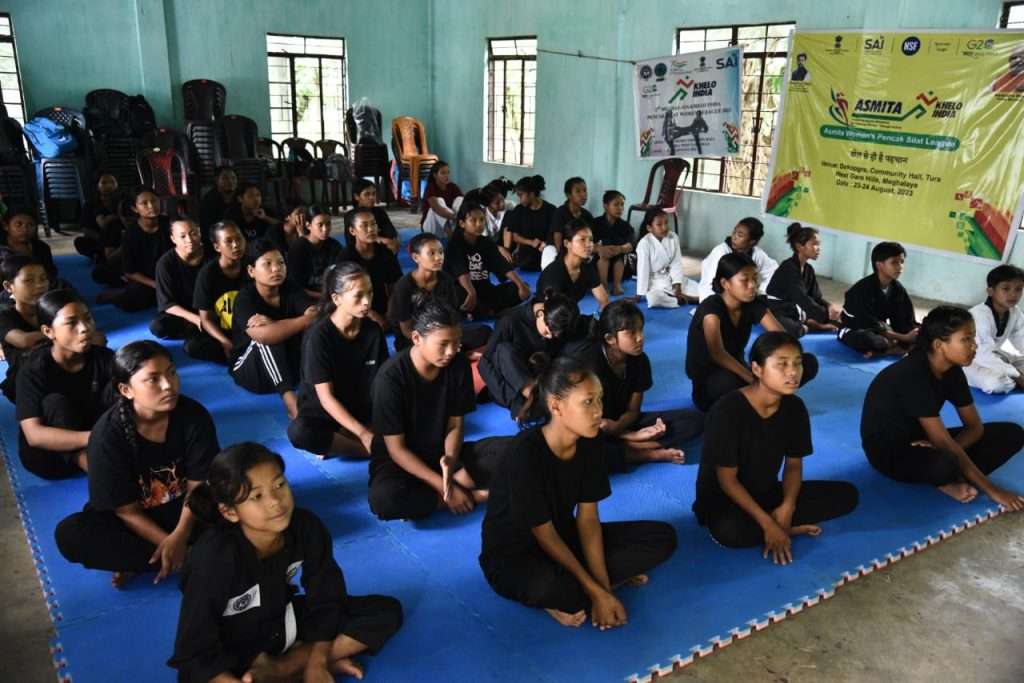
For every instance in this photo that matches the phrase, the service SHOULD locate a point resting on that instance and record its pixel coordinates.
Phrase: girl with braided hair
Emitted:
(145, 455)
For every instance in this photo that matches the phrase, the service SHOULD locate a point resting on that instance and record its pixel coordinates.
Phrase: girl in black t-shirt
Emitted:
(524, 229)
(616, 355)
(429, 277)
(472, 258)
(419, 461)
(20, 235)
(25, 281)
(544, 544)
(364, 194)
(750, 434)
(218, 283)
(793, 293)
(257, 540)
(720, 331)
(366, 249)
(545, 324)
(62, 387)
(614, 239)
(144, 243)
(146, 454)
(574, 208)
(100, 221)
(267, 323)
(903, 434)
(341, 354)
(573, 272)
(310, 255)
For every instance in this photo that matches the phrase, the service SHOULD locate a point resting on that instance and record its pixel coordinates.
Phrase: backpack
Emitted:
(50, 139)
(141, 118)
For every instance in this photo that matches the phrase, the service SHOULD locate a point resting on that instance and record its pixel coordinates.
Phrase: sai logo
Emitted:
(911, 45)
(874, 44)
(840, 109)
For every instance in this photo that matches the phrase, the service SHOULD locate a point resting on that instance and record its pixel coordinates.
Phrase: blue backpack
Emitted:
(50, 139)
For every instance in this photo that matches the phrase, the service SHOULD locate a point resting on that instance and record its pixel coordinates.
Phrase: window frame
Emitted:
(1004, 17)
(758, 119)
(17, 72)
(491, 137)
(293, 95)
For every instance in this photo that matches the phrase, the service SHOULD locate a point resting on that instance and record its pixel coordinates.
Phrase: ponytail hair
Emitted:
(649, 217)
(561, 313)
(51, 303)
(227, 482)
(798, 235)
(430, 313)
(728, 266)
(939, 325)
(314, 210)
(618, 316)
(337, 279)
(555, 377)
(127, 361)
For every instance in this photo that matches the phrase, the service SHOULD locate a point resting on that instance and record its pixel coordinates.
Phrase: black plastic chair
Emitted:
(299, 165)
(60, 179)
(204, 139)
(106, 114)
(171, 138)
(369, 159)
(271, 156)
(239, 136)
(333, 172)
(204, 100)
(16, 182)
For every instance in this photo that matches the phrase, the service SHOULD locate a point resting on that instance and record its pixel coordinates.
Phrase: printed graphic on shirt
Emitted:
(244, 602)
(224, 307)
(476, 267)
(163, 486)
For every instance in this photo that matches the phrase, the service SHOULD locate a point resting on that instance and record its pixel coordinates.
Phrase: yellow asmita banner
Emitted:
(915, 136)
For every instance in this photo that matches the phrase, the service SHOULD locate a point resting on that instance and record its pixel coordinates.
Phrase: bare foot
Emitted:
(617, 291)
(566, 619)
(672, 455)
(346, 666)
(651, 432)
(119, 579)
(805, 530)
(961, 491)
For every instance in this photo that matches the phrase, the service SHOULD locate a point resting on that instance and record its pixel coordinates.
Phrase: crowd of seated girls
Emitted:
(291, 311)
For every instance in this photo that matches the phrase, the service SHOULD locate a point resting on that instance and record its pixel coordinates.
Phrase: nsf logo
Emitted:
(241, 603)
(911, 46)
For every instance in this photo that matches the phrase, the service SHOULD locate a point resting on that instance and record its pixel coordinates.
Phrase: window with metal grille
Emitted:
(764, 64)
(1013, 15)
(511, 100)
(11, 94)
(308, 90)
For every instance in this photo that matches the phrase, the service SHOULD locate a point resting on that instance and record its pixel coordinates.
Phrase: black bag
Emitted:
(141, 118)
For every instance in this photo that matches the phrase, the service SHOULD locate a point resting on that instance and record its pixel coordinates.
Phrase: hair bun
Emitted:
(793, 229)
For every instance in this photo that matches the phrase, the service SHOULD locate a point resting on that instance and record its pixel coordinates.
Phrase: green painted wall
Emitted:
(426, 58)
(69, 47)
(585, 108)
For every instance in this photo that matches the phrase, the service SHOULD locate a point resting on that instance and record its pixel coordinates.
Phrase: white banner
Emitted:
(688, 105)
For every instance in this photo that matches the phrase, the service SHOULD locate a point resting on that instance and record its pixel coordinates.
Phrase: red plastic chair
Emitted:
(164, 170)
(674, 175)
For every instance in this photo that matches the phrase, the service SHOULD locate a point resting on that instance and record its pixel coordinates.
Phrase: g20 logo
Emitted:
(911, 46)
(980, 44)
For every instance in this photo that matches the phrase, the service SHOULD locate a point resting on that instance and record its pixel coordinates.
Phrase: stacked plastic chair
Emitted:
(204, 100)
(16, 182)
(60, 179)
(106, 113)
(369, 153)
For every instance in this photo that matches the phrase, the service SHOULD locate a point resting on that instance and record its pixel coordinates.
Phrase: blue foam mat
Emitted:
(456, 627)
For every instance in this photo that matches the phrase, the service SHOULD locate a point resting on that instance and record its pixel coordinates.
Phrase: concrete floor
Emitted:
(952, 613)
